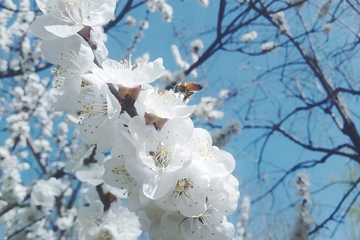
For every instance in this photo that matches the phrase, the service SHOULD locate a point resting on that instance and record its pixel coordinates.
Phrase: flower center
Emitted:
(182, 186)
(122, 64)
(161, 157)
(94, 109)
(94, 222)
(67, 70)
(203, 218)
(163, 95)
(104, 235)
(125, 181)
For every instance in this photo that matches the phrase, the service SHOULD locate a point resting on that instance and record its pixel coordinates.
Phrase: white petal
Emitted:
(37, 27)
(178, 130)
(153, 70)
(42, 5)
(103, 12)
(72, 53)
(64, 31)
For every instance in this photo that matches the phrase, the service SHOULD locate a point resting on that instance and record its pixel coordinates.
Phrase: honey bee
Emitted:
(187, 89)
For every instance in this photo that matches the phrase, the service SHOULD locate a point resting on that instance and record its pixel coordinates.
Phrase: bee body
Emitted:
(187, 89)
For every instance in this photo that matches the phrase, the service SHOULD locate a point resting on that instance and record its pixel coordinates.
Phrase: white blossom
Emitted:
(92, 171)
(177, 227)
(302, 184)
(222, 136)
(119, 223)
(27, 216)
(44, 192)
(144, 24)
(279, 19)
(66, 221)
(165, 105)
(130, 21)
(204, 3)
(65, 18)
(161, 6)
(89, 219)
(302, 224)
(248, 37)
(197, 46)
(241, 226)
(117, 175)
(125, 74)
(224, 94)
(327, 27)
(99, 114)
(304, 220)
(177, 56)
(189, 194)
(324, 8)
(269, 46)
(159, 160)
(206, 109)
(73, 57)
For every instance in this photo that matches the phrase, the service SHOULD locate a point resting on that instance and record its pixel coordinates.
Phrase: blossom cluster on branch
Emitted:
(166, 168)
(304, 220)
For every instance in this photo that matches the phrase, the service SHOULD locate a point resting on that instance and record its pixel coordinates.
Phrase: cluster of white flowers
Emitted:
(116, 223)
(44, 192)
(196, 48)
(222, 136)
(14, 24)
(248, 37)
(12, 191)
(302, 184)
(28, 221)
(304, 220)
(327, 27)
(241, 226)
(26, 207)
(279, 19)
(207, 110)
(161, 6)
(208, 107)
(269, 46)
(130, 21)
(168, 169)
(324, 8)
(181, 182)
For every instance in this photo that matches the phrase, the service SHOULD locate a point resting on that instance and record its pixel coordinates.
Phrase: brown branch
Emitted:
(8, 208)
(349, 127)
(35, 153)
(310, 147)
(302, 165)
(14, 73)
(337, 208)
(73, 196)
(128, 6)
